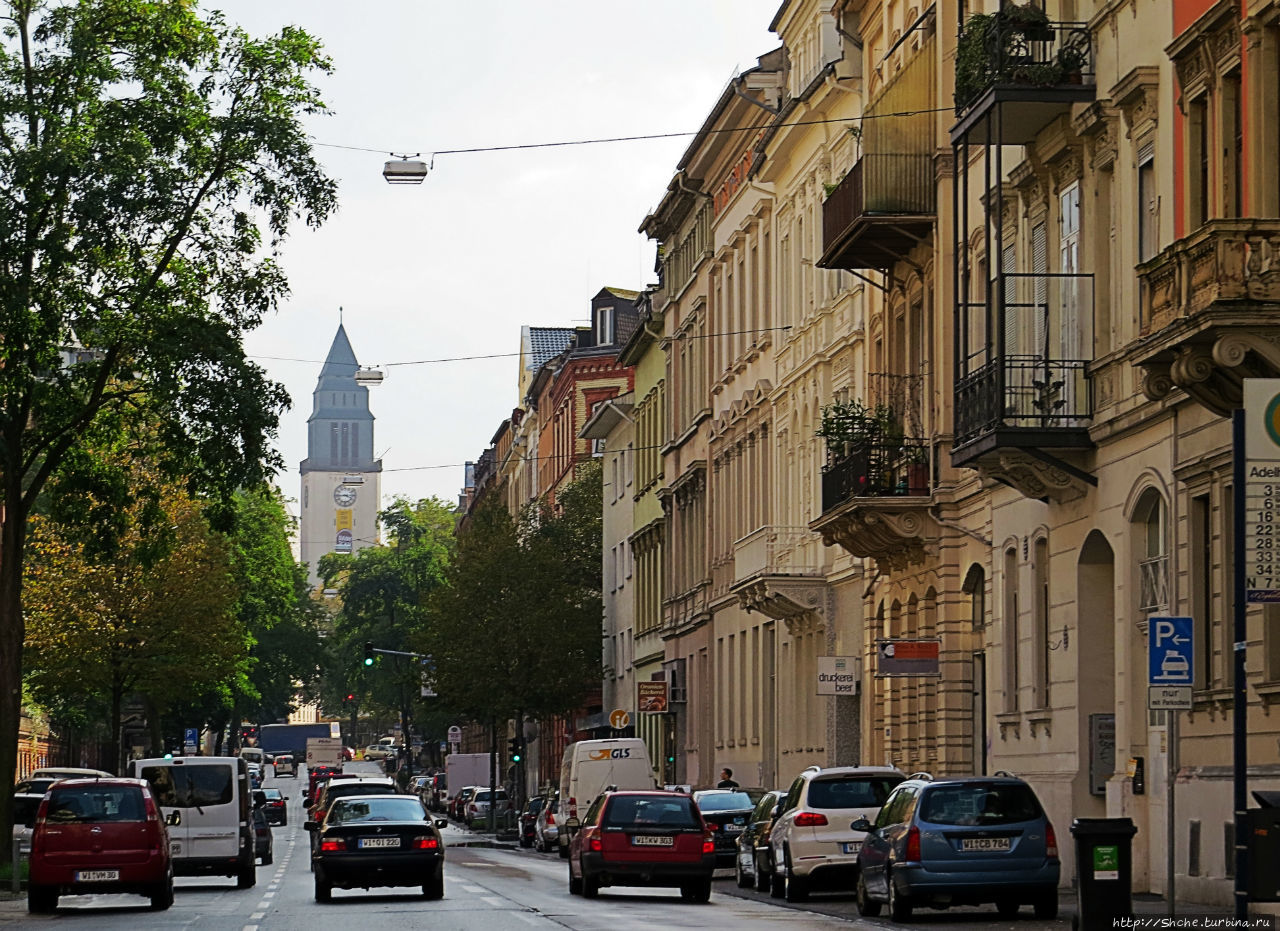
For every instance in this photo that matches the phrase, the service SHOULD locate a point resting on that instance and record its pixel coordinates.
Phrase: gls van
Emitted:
(211, 793)
(591, 766)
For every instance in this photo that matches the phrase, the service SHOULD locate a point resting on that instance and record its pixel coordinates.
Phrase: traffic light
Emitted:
(351, 696)
(516, 749)
(368, 652)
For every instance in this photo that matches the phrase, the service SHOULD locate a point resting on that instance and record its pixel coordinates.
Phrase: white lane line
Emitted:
(257, 915)
(267, 895)
(474, 889)
(493, 900)
(264, 905)
(250, 928)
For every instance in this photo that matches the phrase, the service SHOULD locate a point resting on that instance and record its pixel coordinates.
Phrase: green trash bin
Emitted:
(1104, 871)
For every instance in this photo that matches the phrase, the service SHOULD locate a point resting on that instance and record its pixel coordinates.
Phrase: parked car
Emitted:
(437, 793)
(643, 839)
(255, 775)
(965, 841)
(726, 812)
(477, 810)
(546, 833)
(26, 805)
(529, 820)
(95, 836)
(272, 802)
(377, 840)
(314, 775)
(754, 864)
(38, 781)
(262, 843)
(811, 841)
(458, 805)
(285, 766)
(421, 787)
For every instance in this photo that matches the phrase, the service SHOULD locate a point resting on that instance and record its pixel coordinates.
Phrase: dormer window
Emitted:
(604, 326)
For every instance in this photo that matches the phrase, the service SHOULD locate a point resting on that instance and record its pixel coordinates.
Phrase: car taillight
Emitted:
(332, 846)
(708, 844)
(1050, 842)
(913, 844)
(595, 845)
(551, 819)
(425, 842)
(149, 806)
(810, 819)
(573, 808)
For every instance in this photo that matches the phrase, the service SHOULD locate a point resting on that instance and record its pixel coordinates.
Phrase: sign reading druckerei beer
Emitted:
(908, 657)
(651, 697)
(837, 675)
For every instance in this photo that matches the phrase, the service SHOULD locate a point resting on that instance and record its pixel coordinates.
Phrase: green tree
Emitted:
(151, 162)
(152, 617)
(517, 630)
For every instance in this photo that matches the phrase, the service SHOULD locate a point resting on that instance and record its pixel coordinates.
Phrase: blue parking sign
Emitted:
(1170, 651)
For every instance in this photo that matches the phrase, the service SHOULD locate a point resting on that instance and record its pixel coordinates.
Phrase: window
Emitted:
(1198, 176)
(1041, 608)
(604, 326)
(1148, 202)
(1202, 587)
(1233, 146)
(1010, 629)
(1153, 557)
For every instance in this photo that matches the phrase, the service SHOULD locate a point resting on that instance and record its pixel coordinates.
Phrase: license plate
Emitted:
(985, 843)
(175, 849)
(367, 842)
(651, 840)
(733, 828)
(97, 876)
(851, 847)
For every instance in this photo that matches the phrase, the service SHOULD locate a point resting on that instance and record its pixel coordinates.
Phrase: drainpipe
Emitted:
(954, 525)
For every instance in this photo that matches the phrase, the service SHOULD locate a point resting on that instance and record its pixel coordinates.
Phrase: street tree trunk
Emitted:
(12, 634)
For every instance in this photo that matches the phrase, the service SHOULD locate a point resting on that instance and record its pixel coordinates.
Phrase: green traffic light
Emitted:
(368, 660)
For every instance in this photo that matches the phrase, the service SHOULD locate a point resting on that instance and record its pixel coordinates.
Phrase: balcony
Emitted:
(885, 205)
(1016, 72)
(778, 571)
(1209, 304)
(1023, 382)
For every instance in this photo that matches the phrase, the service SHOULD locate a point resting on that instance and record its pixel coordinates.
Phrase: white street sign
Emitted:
(1169, 697)
(1262, 489)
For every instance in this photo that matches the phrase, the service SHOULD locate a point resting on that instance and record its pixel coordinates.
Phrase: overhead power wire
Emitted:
(509, 355)
(644, 136)
(459, 465)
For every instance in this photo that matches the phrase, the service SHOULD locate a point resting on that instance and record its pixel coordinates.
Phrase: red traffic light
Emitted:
(351, 696)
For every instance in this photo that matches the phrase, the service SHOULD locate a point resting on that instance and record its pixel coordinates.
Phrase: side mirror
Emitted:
(173, 819)
(861, 824)
(309, 825)
(442, 822)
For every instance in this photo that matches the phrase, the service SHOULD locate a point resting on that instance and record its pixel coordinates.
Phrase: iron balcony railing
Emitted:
(776, 550)
(1023, 355)
(993, 50)
(895, 469)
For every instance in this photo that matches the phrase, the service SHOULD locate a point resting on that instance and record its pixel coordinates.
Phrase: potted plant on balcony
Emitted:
(973, 58)
(917, 460)
(848, 426)
(1029, 22)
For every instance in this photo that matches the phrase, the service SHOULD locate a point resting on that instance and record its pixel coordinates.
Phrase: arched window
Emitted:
(975, 586)
(1151, 544)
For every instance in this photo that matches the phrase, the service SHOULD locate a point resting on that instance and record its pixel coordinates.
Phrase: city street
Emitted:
(487, 888)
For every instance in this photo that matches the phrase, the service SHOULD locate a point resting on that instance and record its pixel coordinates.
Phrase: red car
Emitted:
(643, 839)
(99, 835)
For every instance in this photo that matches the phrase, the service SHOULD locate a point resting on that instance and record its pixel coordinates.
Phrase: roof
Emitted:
(544, 343)
(341, 360)
(625, 293)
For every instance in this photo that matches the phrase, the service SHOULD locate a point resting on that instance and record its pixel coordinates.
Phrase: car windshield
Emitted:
(851, 792)
(85, 804)
(25, 808)
(348, 811)
(190, 786)
(725, 801)
(34, 786)
(348, 789)
(979, 804)
(641, 811)
(484, 796)
(272, 793)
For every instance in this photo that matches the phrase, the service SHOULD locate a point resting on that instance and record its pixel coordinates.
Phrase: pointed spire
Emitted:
(341, 360)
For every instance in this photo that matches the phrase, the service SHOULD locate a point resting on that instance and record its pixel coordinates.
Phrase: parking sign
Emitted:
(1170, 651)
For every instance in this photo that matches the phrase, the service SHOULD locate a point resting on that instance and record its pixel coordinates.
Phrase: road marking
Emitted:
(256, 915)
(267, 895)
(250, 928)
(493, 900)
(474, 889)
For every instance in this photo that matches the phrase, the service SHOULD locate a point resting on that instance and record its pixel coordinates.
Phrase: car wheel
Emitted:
(867, 906)
(698, 891)
(324, 889)
(575, 885)
(564, 851)
(525, 842)
(162, 898)
(590, 886)
(42, 899)
(797, 888)
(744, 881)
(777, 885)
(433, 888)
(899, 906)
(540, 845)
(762, 871)
(1007, 908)
(247, 874)
(1046, 906)
(268, 857)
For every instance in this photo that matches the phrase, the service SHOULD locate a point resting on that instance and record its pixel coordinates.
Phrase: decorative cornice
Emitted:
(1096, 124)
(896, 537)
(786, 599)
(1032, 477)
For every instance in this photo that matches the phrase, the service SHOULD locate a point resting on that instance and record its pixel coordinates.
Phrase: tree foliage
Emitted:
(152, 159)
(517, 630)
(154, 616)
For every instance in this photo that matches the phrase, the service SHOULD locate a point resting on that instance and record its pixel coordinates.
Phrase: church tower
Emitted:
(341, 481)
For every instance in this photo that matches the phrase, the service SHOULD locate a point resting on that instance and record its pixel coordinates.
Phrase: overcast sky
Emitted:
(491, 240)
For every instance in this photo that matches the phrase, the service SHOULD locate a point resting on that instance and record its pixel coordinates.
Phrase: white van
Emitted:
(214, 830)
(253, 755)
(591, 766)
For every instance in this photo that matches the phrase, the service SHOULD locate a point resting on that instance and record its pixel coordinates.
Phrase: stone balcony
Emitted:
(779, 571)
(1209, 313)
